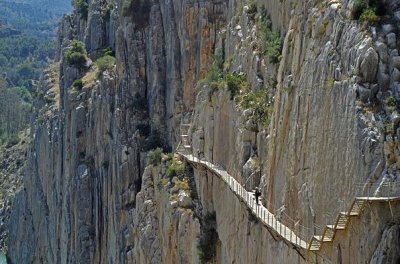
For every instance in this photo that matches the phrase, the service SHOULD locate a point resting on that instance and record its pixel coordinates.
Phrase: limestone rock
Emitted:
(386, 252)
(369, 65)
(391, 40)
(88, 197)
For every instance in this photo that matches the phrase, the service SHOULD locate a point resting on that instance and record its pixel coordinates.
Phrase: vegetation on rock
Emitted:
(271, 40)
(82, 7)
(257, 101)
(175, 168)
(369, 11)
(15, 105)
(154, 156)
(218, 79)
(105, 63)
(76, 54)
(78, 84)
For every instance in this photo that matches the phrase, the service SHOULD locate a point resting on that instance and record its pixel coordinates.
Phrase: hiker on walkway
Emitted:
(257, 194)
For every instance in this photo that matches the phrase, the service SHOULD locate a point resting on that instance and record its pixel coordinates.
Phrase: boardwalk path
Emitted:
(327, 233)
(262, 213)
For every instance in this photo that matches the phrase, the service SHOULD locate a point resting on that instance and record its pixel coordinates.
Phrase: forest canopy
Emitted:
(27, 46)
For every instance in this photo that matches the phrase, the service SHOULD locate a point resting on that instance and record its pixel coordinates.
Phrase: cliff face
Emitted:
(89, 196)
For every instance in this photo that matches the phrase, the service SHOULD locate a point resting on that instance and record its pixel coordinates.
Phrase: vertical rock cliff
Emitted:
(296, 97)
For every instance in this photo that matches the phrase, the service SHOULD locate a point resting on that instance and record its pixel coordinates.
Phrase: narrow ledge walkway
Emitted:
(262, 213)
(268, 219)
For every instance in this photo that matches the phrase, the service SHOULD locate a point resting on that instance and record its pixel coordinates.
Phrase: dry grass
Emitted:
(90, 77)
(183, 185)
(55, 77)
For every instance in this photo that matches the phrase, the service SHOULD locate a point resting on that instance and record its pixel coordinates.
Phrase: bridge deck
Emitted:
(262, 213)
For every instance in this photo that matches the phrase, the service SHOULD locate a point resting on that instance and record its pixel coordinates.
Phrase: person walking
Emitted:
(257, 194)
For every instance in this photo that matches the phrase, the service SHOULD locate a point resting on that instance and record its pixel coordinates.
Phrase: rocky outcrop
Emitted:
(87, 158)
(386, 251)
(89, 196)
(166, 230)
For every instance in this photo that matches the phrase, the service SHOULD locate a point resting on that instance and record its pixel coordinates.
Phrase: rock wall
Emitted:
(89, 196)
(81, 201)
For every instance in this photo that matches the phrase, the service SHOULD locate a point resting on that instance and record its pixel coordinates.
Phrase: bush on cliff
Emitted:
(76, 55)
(235, 83)
(369, 11)
(78, 84)
(82, 7)
(358, 8)
(175, 168)
(105, 63)
(154, 156)
(369, 15)
(271, 40)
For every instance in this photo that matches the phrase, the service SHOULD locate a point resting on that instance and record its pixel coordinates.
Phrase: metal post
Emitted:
(291, 235)
(263, 217)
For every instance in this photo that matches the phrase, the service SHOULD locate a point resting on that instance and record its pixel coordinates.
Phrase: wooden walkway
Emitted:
(315, 243)
(262, 213)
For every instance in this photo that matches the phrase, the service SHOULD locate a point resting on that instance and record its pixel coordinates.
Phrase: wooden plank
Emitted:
(258, 210)
(378, 199)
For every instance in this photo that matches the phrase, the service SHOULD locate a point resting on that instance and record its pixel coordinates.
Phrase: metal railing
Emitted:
(282, 224)
(261, 212)
(378, 189)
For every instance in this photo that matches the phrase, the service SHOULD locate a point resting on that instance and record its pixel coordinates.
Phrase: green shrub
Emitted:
(107, 11)
(216, 79)
(82, 7)
(234, 83)
(108, 51)
(215, 74)
(207, 241)
(369, 15)
(358, 8)
(258, 102)
(273, 48)
(271, 40)
(76, 55)
(175, 168)
(369, 11)
(25, 95)
(154, 156)
(78, 84)
(76, 59)
(105, 63)
(391, 101)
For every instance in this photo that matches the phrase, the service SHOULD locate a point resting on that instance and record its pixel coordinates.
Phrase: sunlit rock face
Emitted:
(90, 195)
